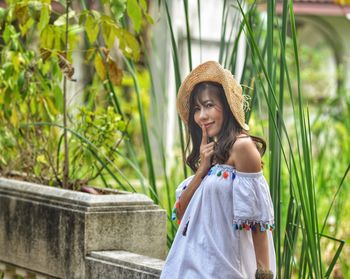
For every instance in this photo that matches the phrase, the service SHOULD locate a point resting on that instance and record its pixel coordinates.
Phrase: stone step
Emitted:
(122, 264)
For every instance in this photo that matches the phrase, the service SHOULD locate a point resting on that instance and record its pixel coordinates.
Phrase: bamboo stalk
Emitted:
(65, 136)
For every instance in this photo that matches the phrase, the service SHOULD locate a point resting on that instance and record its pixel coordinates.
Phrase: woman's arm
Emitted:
(206, 152)
(247, 158)
(187, 194)
(261, 247)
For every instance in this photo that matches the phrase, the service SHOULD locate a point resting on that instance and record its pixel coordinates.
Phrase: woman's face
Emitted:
(208, 111)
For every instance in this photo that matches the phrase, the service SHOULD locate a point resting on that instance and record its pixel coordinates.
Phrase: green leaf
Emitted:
(62, 19)
(58, 97)
(91, 28)
(33, 106)
(25, 27)
(9, 30)
(59, 37)
(112, 36)
(128, 44)
(149, 18)
(106, 27)
(41, 159)
(21, 12)
(44, 17)
(47, 37)
(100, 67)
(134, 12)
(73, 38)
(118, 8)
(37, 170)
(2, 16)
(34, 9)
(14, 117)
(89, 55)
(96, 14)
(21, 80)
(143, 5)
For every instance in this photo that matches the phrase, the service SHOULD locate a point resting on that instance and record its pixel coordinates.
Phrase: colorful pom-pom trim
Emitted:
(221, 171)
(253, 226)
(173, 214)
(177, 206)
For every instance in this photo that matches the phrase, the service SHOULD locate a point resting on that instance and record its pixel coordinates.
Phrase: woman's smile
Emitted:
(208, 111)
(207, 125)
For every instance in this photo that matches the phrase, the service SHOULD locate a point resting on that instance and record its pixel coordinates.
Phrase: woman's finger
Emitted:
(204, 135)
(208, 146)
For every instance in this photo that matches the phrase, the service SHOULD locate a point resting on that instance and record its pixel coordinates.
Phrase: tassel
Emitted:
(219, 173)
(184, 232)
(225, 175)
(173, 214)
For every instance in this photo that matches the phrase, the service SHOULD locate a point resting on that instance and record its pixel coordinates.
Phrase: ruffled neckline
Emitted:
(226, 167)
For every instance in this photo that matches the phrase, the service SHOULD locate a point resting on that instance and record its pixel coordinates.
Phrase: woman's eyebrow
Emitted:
(205, 101)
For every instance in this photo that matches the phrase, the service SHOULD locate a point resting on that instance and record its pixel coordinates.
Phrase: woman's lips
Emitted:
(208, 125)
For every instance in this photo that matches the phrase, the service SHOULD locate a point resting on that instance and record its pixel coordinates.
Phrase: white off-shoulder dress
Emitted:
(214, 238)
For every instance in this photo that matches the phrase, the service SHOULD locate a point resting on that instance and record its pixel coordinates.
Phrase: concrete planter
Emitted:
(51, 231)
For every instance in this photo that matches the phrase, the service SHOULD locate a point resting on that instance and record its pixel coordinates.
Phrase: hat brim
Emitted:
(212, 71)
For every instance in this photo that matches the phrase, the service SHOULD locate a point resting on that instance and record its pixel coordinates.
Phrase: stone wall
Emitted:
(51, 231)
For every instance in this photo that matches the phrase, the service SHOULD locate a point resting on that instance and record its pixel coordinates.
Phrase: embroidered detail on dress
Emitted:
(252, 225)
(222, 171)
(176, 206)
(173, 213)
(184, 232)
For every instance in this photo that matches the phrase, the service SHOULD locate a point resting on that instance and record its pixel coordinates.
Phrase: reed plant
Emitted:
(292, 166)
(307, 180)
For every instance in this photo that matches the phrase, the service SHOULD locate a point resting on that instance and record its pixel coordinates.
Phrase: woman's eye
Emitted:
(209, 105)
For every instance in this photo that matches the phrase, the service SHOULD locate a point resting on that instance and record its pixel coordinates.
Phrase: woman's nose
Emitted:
(203, 114)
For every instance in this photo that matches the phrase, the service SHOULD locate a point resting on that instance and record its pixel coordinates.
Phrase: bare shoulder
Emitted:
(246, 156)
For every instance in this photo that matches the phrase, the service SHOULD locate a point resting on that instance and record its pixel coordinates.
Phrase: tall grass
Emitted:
(291, 171)
(266, 77)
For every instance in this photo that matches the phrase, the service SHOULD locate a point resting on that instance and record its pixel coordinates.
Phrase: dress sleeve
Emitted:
(182, 186)
(252, 203)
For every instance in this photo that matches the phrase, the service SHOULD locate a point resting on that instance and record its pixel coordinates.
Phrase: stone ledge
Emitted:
(122, 264)
(78, 200)
(50, 230)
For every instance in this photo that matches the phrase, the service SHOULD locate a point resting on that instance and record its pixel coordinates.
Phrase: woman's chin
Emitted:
(212, 134)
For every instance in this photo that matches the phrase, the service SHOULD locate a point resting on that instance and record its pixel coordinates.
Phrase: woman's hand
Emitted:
(206, 152)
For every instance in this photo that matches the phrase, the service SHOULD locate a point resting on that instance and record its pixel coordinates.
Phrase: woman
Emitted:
(225, 208)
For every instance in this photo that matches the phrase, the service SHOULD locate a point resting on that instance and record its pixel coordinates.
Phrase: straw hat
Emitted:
(214, 72)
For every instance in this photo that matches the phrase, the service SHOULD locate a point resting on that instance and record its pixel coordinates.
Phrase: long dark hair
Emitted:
(228, 134)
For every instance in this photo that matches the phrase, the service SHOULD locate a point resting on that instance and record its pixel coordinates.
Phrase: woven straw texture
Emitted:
(214, 72)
